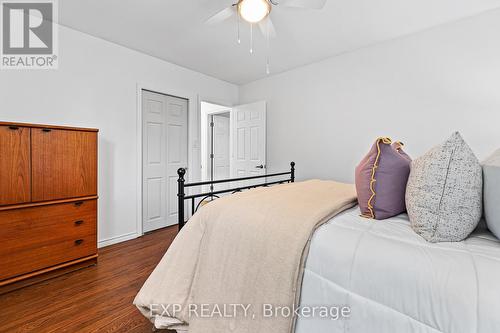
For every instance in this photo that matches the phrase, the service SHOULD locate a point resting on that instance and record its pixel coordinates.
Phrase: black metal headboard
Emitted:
(181, 195)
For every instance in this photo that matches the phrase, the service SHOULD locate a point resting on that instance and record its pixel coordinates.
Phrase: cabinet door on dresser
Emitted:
(15, 174)
(64, 164)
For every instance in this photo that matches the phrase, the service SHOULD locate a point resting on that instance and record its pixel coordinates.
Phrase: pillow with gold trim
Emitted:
(381, 179)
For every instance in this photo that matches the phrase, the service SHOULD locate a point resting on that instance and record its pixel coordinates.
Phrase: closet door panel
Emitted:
(64, 164)
(15, 174)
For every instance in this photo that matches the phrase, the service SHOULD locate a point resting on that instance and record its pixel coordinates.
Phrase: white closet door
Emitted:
(177, 150)
(164, 151)
(249, 140)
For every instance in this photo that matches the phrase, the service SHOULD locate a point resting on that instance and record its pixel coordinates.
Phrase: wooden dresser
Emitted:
(48, 202)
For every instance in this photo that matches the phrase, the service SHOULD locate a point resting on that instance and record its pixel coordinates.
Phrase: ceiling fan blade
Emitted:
(221, 16)
(266, 24)
(308, 4)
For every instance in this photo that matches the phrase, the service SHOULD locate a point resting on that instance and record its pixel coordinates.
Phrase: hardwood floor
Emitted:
(95, 299)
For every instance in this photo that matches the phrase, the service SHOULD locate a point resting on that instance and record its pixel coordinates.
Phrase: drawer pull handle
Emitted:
(78, 203)
(14, 128)
(46, 130)
(79, 222)
(78, 241)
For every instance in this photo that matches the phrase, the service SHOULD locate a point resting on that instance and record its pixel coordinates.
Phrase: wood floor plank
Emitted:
(94, 299)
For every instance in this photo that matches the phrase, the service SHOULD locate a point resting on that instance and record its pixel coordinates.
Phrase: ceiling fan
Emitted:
(258, 12)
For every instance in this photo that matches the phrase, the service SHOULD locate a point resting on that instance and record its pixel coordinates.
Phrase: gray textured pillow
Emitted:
(444, 192)
(491, 190)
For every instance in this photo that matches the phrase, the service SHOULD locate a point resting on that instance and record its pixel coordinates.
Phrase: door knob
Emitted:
(260, 166)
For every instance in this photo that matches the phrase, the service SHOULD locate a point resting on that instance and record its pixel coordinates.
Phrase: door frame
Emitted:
(209, 114)
(204, 160)
(193, 138)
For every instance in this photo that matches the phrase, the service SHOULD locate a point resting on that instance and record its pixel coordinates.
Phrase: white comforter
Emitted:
(394, 281)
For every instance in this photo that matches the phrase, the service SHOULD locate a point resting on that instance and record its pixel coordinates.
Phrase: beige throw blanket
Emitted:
(240, 258)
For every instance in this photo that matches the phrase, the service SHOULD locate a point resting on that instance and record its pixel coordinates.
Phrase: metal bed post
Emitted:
(292, 172)
(180, 196)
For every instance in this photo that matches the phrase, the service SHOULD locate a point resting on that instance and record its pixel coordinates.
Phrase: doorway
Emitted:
(164, 150)
(219, 166)
(233, 142)
(215, 142)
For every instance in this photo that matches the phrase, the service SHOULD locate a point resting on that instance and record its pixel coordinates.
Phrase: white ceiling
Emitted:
(174, 30)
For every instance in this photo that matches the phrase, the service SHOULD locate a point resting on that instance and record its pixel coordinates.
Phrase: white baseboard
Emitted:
(116, 239)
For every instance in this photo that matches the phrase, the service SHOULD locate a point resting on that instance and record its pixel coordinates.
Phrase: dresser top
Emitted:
(71, 128)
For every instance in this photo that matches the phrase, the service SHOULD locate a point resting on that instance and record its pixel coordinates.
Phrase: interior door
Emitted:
(164, 151)
(221, 139)
(249, 140)
(221, 147)
(64, 164)
(15, 177)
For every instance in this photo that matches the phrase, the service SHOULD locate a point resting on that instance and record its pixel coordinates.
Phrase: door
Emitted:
(15, 177)
(249, 140)
(64, 164)
(164, 151)
(221, 149)
(221, 146)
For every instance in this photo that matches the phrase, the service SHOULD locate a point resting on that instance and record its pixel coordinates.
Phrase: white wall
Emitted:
(417, 89)
(95, 86)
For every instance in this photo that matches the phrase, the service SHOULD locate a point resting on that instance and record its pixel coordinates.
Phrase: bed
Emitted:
(388, 277)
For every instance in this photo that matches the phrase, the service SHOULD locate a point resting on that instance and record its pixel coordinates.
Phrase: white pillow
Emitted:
(491, 189)
(444, 192)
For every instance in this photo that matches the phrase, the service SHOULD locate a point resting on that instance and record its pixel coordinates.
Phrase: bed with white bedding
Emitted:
(287, 249)
(395, 281)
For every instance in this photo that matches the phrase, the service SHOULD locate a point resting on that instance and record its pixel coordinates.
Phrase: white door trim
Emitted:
(193, 137)
(206, 121)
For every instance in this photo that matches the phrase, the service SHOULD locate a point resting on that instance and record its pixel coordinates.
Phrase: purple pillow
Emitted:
(381, 179)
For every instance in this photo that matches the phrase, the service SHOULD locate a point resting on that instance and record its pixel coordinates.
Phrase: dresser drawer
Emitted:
(40, 237)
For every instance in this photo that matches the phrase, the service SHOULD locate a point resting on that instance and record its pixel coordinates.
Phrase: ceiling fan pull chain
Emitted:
(251, 38)
(239, 38)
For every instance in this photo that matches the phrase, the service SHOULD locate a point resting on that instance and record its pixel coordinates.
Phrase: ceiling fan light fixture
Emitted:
(254, 11)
